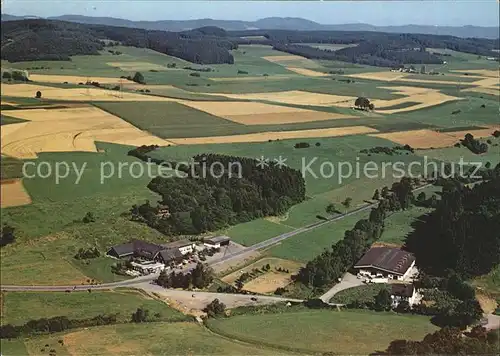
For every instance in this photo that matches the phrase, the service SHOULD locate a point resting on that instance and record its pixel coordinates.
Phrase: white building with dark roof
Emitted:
(217, 241)
(386, 262)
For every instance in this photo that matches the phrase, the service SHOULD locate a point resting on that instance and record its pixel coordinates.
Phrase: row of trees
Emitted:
(200, 277)
(388, 150)
(208, 201)
(52, 325)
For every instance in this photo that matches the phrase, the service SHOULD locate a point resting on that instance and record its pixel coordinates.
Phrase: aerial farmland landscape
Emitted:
(250, 178)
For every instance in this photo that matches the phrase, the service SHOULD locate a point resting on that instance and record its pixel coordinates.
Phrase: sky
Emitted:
(421, 12)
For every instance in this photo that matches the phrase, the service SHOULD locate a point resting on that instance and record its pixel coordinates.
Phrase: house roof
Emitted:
(402, 290)
(392, 260)
(217, 239)
(142, 248)
(170, 255)
(178, 244)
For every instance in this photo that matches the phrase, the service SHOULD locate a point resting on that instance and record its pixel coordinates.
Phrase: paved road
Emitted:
(257, 246)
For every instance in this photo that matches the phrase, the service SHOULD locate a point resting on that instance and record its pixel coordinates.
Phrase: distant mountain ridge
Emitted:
(275, 23)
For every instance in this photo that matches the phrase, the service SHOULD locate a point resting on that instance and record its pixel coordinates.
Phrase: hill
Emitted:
(40, 39)
(273, 23)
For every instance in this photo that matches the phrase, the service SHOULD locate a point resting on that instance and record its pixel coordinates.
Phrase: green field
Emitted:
(124, 339)
(305, 246)
(346, 332)
(171, 120)
(5, 120)
(20, 307)
(364, 294)
(398, 225)
(256, 231)
(471, 113)
(456, 154)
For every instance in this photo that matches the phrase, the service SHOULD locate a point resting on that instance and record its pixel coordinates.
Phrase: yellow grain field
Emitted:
(283, 58)
(74, 79)
(307, 72)
(251, 79)
(12, 193)
(297, 97)
(138, 66)
(268, 282)
(74, 94)
(275, 135)
(480, 72)
(429, 138)
(385, 76)
(8, 103)
(250, 113)
(73, 129)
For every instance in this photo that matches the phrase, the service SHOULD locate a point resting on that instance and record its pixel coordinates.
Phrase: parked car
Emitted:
(253, 299)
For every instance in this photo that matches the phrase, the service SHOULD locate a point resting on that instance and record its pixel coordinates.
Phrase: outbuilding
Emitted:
(217, 241)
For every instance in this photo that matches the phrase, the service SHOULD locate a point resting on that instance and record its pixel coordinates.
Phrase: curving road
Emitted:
(255, 247)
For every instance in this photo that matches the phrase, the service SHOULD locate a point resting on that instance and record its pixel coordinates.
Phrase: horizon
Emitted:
(400, 13)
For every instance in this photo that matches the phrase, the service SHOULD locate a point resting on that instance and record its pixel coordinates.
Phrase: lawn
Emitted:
(365, 293)
(152, 339)
(346, 332)
(256, 231)
(20, 307)
(13, 347)
(490, 282)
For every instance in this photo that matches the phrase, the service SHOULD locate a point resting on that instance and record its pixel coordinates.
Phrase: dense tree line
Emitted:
(374, 54)
(331, 265)
(395, 150)
(52, 325)
(30, 40)
(449, 341)
(462, 234)
(200, 277)
(213, 195)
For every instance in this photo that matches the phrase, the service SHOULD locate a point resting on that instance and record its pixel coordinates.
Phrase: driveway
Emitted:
(493, 322)
(348, 281)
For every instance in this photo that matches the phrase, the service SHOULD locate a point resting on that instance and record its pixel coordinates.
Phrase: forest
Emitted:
(227, 196)
(38, 39)
(462, 234)
(28, 40)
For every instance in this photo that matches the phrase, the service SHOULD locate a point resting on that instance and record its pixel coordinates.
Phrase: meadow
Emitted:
(324, 331)
(363, 294)
(20, 307)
